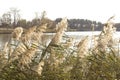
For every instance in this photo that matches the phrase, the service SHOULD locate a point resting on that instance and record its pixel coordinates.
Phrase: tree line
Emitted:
(12, 19)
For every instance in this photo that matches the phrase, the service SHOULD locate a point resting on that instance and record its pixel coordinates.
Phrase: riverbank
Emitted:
(5, 30)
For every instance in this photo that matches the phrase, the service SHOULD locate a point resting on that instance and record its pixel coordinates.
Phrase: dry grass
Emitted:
(106, 36)
(25, 58)
(83, 47)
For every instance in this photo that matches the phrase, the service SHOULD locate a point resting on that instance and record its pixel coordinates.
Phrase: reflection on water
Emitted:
(3, 39)
(48, 36)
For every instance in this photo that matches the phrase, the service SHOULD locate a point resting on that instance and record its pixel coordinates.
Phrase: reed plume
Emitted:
(34, 39)
(37, 36)
(31, 39)
(14, 41)
(83, 47)
(106, 36)
(26, 39)
(26, 58)
(61, 27)
(21, 49)
(16, 34)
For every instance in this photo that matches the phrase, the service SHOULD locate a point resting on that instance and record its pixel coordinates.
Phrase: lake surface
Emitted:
(48, 36)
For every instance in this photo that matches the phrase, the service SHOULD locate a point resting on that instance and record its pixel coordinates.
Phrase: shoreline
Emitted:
(5, 31)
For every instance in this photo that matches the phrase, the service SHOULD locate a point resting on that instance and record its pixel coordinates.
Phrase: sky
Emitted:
(96, 10)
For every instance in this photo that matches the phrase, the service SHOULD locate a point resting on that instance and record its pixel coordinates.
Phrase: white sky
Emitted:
(99, 10)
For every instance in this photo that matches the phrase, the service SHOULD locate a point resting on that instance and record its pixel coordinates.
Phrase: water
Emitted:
(3, 39)
(48, 36)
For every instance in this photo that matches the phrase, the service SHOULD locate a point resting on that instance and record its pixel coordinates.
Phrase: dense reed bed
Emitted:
(25, 57)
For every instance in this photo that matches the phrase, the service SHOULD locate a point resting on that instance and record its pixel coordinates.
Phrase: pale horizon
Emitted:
(95, 10)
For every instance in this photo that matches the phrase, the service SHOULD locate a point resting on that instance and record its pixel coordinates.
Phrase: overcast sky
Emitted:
(99, 10)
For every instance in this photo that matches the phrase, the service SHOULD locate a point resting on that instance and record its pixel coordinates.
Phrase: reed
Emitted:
(106, 36)
(25, 58)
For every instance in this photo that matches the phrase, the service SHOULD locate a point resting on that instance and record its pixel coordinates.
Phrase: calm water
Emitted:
(3, 39)
(48, 36)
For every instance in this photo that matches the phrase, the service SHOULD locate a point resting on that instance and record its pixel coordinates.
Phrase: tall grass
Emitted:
(24, 57)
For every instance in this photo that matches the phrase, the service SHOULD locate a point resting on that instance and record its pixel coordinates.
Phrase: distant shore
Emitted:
(6, 30)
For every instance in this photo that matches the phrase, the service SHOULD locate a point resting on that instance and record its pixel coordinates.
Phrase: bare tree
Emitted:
(36, 15)
(43, 15)
(6, 18)
(16, 15)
